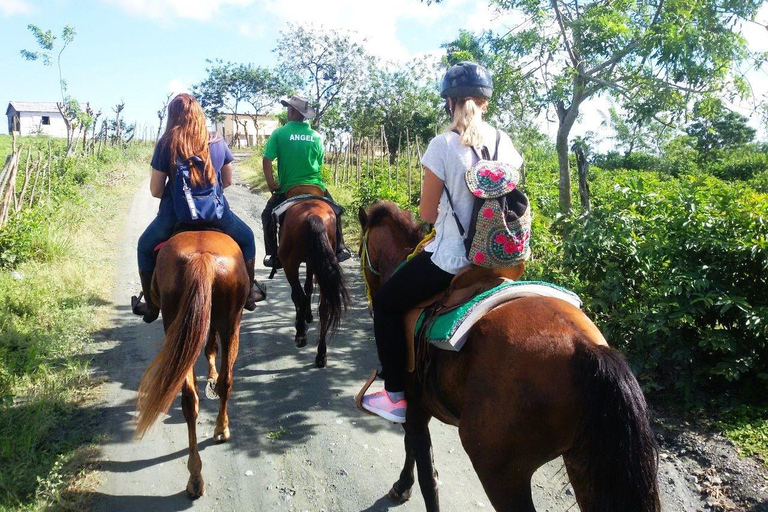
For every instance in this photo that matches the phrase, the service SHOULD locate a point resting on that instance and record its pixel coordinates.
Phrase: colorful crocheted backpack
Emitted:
(500, 226)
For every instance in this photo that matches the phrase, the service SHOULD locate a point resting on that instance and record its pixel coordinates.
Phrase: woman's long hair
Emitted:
(186, 136)
(467, 119)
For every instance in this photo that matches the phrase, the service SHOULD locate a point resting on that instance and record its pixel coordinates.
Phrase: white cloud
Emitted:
(10, 7)
(202, 10)
(177, 86)
(375, 21)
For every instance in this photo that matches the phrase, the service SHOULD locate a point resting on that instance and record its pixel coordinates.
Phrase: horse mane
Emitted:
(382, 211)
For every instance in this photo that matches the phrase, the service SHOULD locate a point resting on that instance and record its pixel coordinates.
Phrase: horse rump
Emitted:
(184, 339)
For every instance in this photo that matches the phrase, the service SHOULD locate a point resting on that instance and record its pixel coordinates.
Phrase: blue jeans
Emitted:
(161, 229)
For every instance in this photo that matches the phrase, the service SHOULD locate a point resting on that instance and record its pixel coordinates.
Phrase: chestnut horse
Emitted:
(201, 285)
(535, 380)
(308, 235)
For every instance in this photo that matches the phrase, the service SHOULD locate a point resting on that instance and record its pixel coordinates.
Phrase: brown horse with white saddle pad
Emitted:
(201, 285)
(534, 380)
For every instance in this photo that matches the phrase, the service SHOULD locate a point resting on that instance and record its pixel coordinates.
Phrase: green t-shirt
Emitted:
(299, 152)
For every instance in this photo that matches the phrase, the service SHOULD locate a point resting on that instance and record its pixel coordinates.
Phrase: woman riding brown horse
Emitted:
(535, 380)
(308, 234)
(201, 284)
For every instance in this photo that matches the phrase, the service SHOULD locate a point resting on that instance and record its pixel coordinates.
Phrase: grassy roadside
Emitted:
(50, 304)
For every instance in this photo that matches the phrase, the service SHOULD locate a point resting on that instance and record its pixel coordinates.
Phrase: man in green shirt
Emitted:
(299, 152)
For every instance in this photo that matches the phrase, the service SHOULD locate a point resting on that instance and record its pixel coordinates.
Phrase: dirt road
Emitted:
(298, 443)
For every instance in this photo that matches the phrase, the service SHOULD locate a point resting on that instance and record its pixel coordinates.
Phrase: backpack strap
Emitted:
(453, 212)
(496, 151)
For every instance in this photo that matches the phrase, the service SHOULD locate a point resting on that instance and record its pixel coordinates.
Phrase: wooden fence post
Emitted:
(9, 194)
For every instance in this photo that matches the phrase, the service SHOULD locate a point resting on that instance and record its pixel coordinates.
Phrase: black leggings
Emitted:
(416, 281)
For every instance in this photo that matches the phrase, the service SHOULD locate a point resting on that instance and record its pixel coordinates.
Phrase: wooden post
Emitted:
(27, 172)
(408, 151)
(359, 164)
(421, 167)
(9, 194)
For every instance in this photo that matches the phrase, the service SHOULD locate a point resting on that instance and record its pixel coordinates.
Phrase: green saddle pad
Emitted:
(449, 330)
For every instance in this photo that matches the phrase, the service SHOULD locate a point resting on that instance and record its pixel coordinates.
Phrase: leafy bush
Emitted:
(676, 271)
(737, 164)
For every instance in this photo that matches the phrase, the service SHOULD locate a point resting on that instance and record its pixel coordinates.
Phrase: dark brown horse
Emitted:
(201, 285)
(308, 235)
(535, 380)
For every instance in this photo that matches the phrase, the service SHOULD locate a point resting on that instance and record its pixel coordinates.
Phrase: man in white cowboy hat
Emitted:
(299, 152)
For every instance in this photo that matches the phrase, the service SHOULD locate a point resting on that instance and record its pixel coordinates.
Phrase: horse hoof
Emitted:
(321, 361)
(210, 391)
(301, 341)
(222, 437)
(399, 497)
(195, 488)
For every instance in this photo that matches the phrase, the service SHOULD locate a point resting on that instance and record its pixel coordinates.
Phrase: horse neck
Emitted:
(397, 245)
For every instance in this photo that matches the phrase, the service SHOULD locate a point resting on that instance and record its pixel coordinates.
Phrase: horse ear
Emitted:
(362, 216)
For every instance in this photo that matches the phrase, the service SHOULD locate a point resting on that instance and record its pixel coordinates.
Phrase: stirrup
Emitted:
(359, 397)
(262, 288)
(137, 307)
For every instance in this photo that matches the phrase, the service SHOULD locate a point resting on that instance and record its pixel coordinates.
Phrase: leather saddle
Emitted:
(467, 284)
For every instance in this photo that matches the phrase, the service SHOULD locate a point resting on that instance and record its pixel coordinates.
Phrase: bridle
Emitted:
(365, 262)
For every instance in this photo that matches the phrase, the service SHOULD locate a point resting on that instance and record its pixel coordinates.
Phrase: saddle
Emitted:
(180, 227)
(467, 284)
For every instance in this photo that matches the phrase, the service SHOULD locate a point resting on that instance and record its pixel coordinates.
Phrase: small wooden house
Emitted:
(35, 118)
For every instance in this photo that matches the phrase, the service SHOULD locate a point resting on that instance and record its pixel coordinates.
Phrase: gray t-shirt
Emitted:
(449, 160)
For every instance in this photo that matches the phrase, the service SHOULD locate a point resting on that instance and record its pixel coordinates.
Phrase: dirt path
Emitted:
(298, 443)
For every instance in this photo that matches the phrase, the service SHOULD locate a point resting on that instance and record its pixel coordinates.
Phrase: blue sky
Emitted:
(140, 50)
(137, 51)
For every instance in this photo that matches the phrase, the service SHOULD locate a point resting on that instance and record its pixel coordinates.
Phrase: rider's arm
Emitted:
(157, 183)
(430, 196)
(267, 163)
(226, 175)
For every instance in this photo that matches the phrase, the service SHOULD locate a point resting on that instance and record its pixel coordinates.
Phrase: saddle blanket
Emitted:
(285, 205)
(450, 330)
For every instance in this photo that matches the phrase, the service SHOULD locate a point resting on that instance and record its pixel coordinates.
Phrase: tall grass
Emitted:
(54, 292)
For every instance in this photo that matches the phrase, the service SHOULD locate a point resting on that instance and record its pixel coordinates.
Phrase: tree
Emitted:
(716, 127)
(403, 100)
(69, 108)
(224, 91)
(263, 88)
(323, 64)
(654, 56)
(161, 115)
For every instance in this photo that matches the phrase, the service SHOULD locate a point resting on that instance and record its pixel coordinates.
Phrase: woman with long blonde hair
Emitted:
(187, 139)
(445, 200)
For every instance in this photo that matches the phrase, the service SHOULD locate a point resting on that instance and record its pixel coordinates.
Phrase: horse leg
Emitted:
(211, 350)
(189, 405)
(299, 301)
(321, 359)
(402, 489)
(229, 347)
(579, 477)
(309, 287)
(417, 435)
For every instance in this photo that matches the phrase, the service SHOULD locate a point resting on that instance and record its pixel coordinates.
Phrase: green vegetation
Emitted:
(748, 428)
(57, 260)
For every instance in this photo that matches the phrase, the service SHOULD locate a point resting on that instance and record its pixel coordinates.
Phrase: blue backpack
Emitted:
(196, 204)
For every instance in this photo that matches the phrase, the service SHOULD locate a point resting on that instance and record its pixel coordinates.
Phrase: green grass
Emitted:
(747, 427)
(51, 301)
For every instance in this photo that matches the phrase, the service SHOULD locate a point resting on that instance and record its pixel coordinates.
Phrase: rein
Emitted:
(365, 262)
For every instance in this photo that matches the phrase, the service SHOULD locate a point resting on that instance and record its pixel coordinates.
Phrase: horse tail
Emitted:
(322, 259)
(184, 339)
(615, 445)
